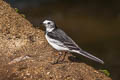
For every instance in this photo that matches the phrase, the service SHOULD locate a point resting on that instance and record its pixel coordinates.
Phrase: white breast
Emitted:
(56, 44)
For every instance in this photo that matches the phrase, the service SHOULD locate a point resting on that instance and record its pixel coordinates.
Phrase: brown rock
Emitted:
(25, 54)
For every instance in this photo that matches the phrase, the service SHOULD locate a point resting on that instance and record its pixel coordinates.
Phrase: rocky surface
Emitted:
(26, 55)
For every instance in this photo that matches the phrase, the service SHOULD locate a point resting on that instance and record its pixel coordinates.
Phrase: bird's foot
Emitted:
(59, 62)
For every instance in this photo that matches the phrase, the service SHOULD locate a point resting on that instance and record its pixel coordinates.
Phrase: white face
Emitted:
(48, 24)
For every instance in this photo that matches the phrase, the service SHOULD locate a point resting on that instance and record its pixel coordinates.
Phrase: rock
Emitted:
(26, 55)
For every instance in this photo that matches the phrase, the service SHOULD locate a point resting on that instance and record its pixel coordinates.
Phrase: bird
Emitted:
(60, 41)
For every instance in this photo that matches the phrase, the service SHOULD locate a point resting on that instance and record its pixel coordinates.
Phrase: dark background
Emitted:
(93, 24)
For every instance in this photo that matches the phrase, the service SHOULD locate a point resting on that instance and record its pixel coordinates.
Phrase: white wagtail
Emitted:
(60, 41)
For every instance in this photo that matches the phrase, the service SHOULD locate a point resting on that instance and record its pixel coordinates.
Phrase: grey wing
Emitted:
(60, 35)
(68, 42)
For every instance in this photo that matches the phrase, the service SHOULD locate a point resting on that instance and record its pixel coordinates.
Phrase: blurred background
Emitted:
(93, 24)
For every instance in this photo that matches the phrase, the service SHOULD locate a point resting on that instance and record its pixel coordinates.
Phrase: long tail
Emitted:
(90, 56)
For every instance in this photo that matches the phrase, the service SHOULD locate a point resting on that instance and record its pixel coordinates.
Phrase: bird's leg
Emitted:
(57, 61)
(60, 55)
(63, 57)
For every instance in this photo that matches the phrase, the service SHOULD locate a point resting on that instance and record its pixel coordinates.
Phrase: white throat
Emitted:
(49, 29)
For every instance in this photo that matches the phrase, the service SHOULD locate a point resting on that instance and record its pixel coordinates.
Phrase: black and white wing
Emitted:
(59, 35)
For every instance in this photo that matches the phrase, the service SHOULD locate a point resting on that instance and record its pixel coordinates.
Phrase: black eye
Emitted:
(48, 22)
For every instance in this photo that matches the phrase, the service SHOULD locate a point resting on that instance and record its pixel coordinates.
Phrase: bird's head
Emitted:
(49, 24)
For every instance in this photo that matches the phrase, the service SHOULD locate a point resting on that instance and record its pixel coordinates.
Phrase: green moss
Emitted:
(106, 72)
(23, 15)
(17, 10)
